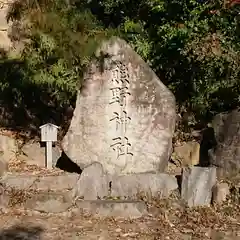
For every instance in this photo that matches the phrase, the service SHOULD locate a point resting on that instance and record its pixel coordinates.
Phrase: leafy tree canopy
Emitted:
(192, 45)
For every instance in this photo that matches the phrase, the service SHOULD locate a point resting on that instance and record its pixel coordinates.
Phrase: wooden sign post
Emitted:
(49, 135)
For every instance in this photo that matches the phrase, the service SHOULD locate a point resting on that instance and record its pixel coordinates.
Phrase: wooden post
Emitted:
(49, 155)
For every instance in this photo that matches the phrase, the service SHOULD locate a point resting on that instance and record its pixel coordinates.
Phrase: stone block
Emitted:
(8, 148)
(42, 183)
(220, 192)
(114, 208)
(197, 185)
(92, 184)
(3, 167)
(188, 153)
(49, 202)
(152, 185)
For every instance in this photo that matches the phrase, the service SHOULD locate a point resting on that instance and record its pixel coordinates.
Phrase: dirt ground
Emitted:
(167, 220)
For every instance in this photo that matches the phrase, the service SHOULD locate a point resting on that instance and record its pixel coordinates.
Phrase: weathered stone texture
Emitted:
(220, 192)
(197, 185)
(34, 154)
(5, 41)
(124, 116)
(8, 148)
(226, 154)
(188, 154)
(4, 198)
(113, 208)
(151, 185)
(92, 184)
(49, 202)
(3, 167)
(43, 183)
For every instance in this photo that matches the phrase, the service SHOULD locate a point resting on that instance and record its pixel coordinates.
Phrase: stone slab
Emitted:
(8, 147)
(43, 183)
(19, 181)
(188, 154)
(4, 198)
(152, 185)
(3, 167)
(92, 184)
(54, 183)
(220, 192)
(113, 208)
(224, 144)
(49, 202)
(197, 185)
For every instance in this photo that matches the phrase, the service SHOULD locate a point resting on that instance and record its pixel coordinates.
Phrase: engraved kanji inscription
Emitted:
(121, 146)
(119, 95)
(116, 75)
(121, 120)
(120, 92)
(116, 118)
(124, 120)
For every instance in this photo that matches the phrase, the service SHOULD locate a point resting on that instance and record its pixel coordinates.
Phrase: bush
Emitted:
(192, 45)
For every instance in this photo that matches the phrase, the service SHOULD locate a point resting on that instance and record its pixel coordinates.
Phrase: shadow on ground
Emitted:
(21, 233)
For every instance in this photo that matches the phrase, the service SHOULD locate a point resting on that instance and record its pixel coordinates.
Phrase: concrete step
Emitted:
(65, 181)
(49, 202)
(113, 208)
(52, 194)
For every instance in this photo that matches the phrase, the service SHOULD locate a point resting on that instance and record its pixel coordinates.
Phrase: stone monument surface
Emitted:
(124, 117)
(226, 153)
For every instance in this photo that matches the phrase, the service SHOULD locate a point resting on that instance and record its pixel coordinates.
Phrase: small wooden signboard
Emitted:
(49, 135)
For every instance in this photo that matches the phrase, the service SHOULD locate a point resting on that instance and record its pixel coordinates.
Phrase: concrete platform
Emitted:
(113, 208)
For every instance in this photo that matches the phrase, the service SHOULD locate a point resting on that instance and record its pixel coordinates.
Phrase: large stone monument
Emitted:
(124, 116)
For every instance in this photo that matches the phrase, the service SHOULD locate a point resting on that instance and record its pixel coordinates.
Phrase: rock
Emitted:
(92, 184)
(226, 235)
(124, 116)
(151, 185)
(66, 181)
(3, 167)
(197, 184)
(34, 154)
(19, 181)
(226, 153)
(188, 153)
(8, 148)
(42, 183)
(173, 168)
(4, 199)
(114, 208)
(49, 202)
(5, 41)
(220, 192)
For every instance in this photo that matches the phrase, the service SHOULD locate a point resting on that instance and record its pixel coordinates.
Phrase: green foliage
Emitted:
(41, 83)
(192, 45)
(62, 41)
